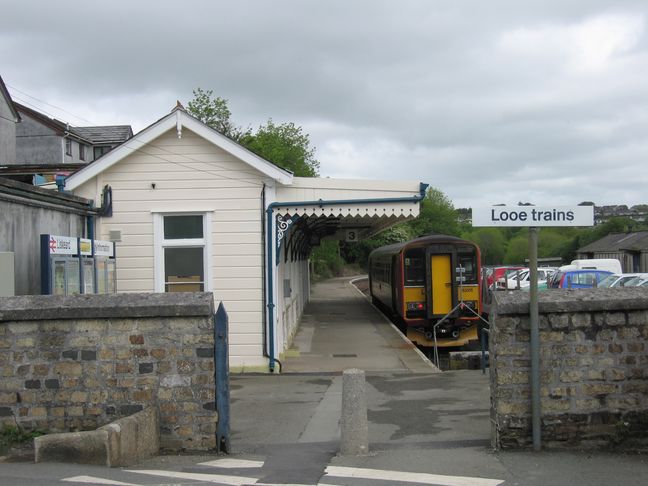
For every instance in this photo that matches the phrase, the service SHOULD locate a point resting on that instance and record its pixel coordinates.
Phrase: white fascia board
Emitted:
(250, 158)
(169, 122)
(124, 150)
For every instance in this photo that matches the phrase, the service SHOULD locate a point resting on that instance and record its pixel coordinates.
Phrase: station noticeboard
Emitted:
(71, 265)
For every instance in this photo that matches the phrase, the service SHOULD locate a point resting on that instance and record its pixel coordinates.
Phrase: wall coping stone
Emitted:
(97, 306)
(572, 300)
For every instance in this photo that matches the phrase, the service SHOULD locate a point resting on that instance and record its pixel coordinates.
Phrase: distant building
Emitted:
(638, 213)
(631, 249)
(41, 140)
(9, 117)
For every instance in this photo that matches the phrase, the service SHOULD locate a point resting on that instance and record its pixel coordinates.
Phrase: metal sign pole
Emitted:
(535, 339)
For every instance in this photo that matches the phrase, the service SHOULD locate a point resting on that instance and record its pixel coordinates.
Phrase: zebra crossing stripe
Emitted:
(420, 478)
(208, 478)
(94, 480)
(233, 463)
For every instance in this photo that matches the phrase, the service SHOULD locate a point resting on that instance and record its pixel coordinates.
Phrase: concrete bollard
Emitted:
(354, 429)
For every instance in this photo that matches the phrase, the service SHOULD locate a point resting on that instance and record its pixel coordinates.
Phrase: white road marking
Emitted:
(421, 478)
(209, 478)
(93, 480)
(232, 463)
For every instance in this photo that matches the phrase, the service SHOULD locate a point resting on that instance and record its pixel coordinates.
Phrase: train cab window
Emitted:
(466, 259)
(414, 268)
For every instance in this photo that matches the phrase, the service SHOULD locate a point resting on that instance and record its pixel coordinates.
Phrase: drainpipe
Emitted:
(90, 224)
(270, 247)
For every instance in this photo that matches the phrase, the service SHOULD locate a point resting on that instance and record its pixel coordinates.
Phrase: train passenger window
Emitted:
(414, 268)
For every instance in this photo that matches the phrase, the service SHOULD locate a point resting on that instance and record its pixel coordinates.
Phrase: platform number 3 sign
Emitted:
(351, 236)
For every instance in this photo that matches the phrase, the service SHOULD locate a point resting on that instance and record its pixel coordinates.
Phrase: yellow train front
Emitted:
(429, 284)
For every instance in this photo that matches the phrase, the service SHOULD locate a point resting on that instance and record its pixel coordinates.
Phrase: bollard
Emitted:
(354, 429)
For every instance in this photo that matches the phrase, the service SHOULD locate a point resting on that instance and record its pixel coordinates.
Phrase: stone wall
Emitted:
(76, 363)
(593, 368)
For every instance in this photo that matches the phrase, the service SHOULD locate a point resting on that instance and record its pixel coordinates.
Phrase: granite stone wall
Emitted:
(77, 363)
(593, 369)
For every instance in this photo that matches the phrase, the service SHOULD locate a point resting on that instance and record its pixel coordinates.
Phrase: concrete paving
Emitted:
(340, 330)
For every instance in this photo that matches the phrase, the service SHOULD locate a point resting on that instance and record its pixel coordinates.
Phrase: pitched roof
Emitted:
(177, 119)
(636, 241)
(98, 135)
(58, 126)
(10, 102)
(109, 134)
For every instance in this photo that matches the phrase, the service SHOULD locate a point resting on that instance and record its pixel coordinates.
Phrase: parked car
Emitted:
(622, 279)
(497, 273)
(640, 281)
(523, 279)
(577, 279)
(610, 264)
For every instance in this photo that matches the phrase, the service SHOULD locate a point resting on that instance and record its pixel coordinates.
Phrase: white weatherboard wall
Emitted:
(204, 179)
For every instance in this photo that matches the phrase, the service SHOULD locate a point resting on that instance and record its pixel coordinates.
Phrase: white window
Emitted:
(182, 252)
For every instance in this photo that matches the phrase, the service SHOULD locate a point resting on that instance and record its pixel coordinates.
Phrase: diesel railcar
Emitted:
(429, 281)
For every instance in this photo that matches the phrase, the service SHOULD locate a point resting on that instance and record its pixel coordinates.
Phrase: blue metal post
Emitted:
(221, 380)
(271, 305)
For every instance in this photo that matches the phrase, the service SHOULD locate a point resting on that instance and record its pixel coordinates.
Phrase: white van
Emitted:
(610, 264)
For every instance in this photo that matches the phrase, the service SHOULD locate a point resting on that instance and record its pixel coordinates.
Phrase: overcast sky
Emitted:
(491, 102)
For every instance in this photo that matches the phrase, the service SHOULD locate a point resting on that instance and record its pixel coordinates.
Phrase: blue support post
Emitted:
(221, 380)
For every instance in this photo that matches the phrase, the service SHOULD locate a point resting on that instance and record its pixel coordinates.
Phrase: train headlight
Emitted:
(414, 306)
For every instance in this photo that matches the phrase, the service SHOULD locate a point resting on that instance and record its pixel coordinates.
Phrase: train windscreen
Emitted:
(468, 260)
(415, 268)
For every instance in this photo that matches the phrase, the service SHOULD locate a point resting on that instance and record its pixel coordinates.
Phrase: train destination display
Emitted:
(533, 216)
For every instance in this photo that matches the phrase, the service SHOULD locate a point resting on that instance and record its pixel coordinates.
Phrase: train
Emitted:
(431, 288)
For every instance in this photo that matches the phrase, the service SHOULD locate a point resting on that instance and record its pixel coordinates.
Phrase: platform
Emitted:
(340, 329)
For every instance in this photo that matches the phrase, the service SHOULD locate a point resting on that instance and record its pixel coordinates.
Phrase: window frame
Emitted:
(81, 151)
(68, 146)
(160, 243)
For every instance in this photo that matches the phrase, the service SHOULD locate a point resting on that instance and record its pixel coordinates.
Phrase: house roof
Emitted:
(177, 119)
(635, 241)
(110, 134)
(56, 125)
(98, 135)
(5, 93)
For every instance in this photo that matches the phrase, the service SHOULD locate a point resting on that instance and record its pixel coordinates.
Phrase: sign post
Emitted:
(534, 217)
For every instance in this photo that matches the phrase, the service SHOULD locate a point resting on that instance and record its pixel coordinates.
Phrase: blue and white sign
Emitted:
(533, 216)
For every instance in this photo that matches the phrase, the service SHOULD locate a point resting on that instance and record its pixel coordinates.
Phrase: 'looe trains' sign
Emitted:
(533, 216)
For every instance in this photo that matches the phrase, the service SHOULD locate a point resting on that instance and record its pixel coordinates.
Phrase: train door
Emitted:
(440, 285)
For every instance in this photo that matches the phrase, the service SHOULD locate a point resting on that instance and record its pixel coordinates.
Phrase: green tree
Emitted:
(437, 215)
(214, 112)
(517, 249)
(491, 242)
(286, 145)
